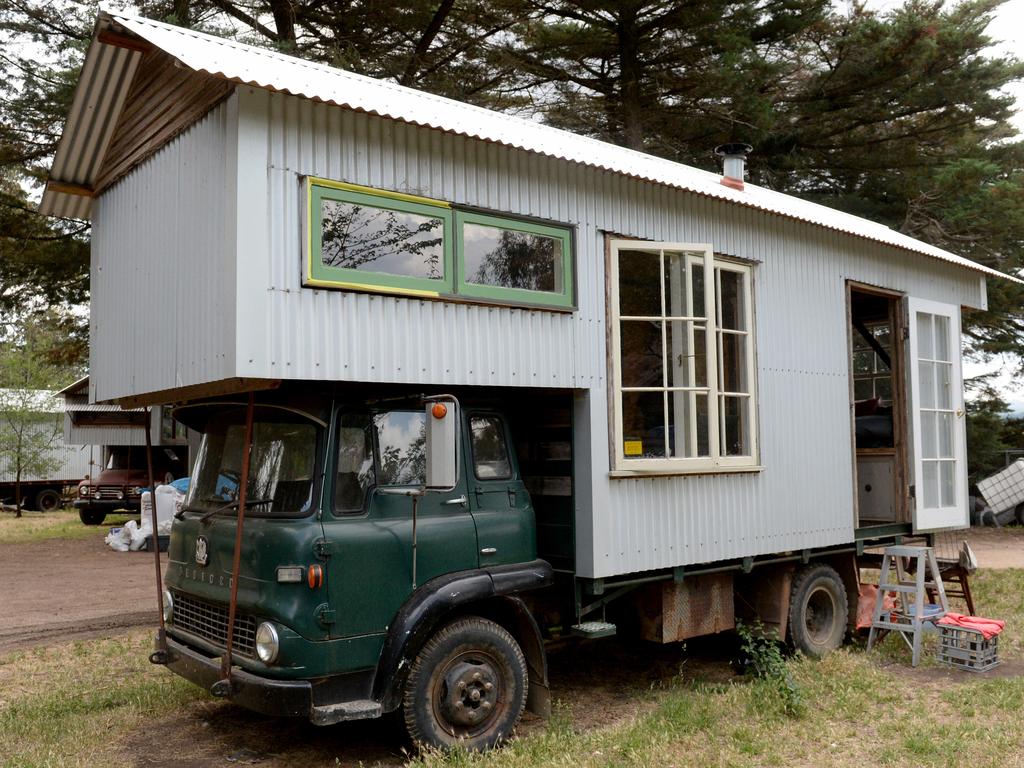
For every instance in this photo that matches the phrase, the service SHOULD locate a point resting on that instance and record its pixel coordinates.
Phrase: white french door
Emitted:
(937, 416)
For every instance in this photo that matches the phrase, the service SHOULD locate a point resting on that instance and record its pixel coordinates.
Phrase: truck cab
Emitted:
(387, 549)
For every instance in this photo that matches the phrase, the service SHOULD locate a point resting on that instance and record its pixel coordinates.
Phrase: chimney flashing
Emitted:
(734, 161)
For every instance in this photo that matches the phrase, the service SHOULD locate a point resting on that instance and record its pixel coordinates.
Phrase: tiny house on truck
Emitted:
(467, 382)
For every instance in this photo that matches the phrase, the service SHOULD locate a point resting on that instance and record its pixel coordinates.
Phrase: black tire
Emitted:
(48, 500)
(91, 516)
(817, 611)
(467, 687)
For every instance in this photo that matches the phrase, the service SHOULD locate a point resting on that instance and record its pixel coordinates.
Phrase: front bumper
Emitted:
(289, 698)
(107, 505)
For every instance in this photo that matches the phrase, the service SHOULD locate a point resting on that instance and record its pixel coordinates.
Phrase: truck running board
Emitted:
(593, 629)
(347, 710)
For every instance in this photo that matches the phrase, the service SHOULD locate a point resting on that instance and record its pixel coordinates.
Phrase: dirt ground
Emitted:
(100, 592)
(64, 589)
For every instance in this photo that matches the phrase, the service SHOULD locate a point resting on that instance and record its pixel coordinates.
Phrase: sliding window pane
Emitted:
(730, 300)
(363, 237)
(643, 425)
(642, 356)
(733, 364)
(639, 284)
(687, 424)
(508, 258)
(735, 437)
(688, 362)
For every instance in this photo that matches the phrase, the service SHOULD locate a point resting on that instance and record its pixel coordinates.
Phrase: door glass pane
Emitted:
(944, 385)
(401, 441)
(930, 484)
(688, 424)
(511, 259)
(733, 363)
(929, 445)
(945, 430)
(942, 349)
(641, 353)
(947, 483)
(925, 344)
(733, 312)
(862, 389)
(677, 300)
(926, 386)
(735, 435)
(643, 425)
(639, 285)
(687, 354)
(490, 451)
(697, 276)
(356, 236)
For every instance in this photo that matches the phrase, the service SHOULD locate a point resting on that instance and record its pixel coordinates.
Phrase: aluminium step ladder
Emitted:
(912, 612)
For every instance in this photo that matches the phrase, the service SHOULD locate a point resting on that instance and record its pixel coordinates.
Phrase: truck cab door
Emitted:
(505, 524)
(370, 532)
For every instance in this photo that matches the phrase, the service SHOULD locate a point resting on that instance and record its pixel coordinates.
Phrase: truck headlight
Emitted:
(168, 606)
(83, 491)
(267, 642)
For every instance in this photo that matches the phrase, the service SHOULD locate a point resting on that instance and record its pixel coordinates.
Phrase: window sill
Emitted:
(620, 474)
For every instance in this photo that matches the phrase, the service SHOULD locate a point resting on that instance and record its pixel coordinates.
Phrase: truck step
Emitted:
(594, 629)
(347, 710)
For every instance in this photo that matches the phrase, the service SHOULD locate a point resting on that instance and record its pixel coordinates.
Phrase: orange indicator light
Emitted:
(315, 576)
(439, 411)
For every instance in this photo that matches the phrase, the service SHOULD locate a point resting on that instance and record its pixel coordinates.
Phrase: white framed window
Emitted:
(682, 359)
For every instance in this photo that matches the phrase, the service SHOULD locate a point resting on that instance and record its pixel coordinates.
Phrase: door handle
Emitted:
(460, 500)
(959, 412)
(488, 550)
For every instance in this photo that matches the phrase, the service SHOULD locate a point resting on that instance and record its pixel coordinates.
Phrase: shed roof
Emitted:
(111, 63)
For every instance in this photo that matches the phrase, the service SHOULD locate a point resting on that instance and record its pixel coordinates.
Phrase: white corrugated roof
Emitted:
(277, 72)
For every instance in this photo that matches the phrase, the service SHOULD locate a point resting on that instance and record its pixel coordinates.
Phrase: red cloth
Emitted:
(989, 628)
(866, 604)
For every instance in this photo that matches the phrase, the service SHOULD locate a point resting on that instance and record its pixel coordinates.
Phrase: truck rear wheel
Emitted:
(817, 611)
(47, 500)
(91, 516)
(467, 687)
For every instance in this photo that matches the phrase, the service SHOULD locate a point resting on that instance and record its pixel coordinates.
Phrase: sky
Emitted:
(1007, 27)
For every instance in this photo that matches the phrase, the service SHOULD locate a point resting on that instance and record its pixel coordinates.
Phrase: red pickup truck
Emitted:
(120, 484)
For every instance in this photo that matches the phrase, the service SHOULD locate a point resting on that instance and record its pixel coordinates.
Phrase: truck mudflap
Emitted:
(428, 606)
(292, 698)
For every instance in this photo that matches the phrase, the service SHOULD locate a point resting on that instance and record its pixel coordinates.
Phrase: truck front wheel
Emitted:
(817, 611)
(91, 516)
(467, 687)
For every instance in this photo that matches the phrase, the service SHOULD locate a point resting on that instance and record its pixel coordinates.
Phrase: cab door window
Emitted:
(355, 472)
(490, 450)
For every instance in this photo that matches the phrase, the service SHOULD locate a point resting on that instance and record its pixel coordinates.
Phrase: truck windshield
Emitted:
(281, 465)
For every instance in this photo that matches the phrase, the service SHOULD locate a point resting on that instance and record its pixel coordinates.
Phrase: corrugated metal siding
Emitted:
(72, 462)
(163, 266)
(804, 496)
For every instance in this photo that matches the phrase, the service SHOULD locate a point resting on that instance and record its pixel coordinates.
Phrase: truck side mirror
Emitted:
(442, 444)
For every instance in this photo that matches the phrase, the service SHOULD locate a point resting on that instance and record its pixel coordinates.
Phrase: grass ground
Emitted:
(60, 524)
(66, 705)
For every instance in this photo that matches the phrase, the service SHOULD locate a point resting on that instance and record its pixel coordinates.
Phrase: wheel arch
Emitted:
(487, 592)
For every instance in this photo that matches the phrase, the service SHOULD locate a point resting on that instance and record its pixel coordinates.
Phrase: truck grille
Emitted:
(110, 491)
(210, 622)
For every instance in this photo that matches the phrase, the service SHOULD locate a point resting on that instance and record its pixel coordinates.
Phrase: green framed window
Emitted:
(372, 240)
(511, 260)
(378, 240)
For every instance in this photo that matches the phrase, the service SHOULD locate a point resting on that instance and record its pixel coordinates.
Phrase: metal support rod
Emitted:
(225, 666)
(415, 504)
(161, 635)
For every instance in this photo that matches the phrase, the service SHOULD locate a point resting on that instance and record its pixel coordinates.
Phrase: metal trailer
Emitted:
(71, 461)
(713, 396)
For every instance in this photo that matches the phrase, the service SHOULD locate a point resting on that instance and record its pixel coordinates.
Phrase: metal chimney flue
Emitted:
(734, 163)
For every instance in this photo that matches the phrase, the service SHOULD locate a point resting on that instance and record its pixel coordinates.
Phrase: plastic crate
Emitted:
(163, 541)
(1005, 489)
(967, 648)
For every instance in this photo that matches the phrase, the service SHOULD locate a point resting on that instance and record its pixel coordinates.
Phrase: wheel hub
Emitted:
(470, 694)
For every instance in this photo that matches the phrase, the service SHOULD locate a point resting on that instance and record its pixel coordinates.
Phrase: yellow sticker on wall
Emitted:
(633, 447)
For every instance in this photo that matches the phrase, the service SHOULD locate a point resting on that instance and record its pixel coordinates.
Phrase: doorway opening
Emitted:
(878, 406)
